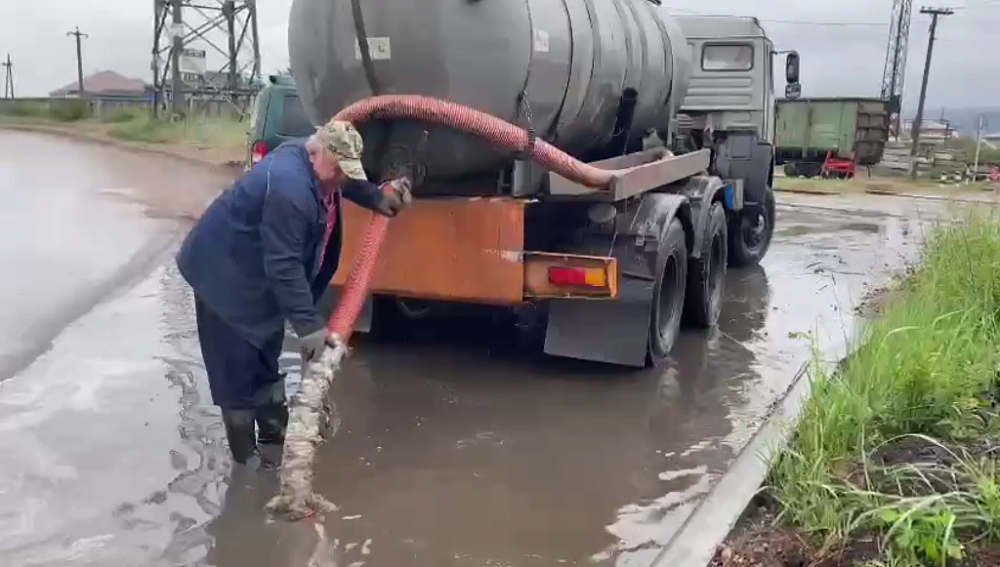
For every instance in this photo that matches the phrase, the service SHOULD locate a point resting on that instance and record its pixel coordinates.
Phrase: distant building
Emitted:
(105, 85)
(932, 129)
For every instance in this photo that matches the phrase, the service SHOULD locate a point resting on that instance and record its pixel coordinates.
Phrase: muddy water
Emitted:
(456, 448)
(77, 223)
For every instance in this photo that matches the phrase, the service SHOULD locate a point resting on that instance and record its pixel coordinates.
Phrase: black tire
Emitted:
(791, 170)
(750, 234)
(389, 324)
(668, 297)
(706, 278)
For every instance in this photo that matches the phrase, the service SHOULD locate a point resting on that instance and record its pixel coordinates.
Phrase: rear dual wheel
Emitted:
(688, 290)
(668, 295)
(707, 274)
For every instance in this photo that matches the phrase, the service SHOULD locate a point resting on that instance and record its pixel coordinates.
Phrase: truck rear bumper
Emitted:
(471, 250)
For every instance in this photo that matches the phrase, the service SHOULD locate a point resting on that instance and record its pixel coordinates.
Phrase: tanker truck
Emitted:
(684, 107)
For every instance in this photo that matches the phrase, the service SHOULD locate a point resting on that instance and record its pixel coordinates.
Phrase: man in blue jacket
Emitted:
(262, 253)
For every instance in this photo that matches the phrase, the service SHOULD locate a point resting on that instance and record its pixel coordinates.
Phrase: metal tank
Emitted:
(567, 63)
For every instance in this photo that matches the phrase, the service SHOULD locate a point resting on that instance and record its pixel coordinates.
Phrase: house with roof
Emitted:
(106, 86)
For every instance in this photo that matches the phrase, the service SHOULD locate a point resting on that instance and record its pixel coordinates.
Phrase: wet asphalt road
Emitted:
(456, 449)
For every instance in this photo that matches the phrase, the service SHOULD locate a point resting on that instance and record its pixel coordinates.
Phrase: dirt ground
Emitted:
(883, 185)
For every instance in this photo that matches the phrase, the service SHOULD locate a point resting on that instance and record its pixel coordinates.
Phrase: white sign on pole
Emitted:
(193, 62)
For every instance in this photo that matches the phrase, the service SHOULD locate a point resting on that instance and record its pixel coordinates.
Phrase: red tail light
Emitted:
(257, 152)
(577, 276)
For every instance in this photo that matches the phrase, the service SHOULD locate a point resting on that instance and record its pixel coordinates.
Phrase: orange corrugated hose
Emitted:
(501, 133)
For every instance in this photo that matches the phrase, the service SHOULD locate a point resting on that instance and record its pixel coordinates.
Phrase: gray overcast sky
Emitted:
(837, 60)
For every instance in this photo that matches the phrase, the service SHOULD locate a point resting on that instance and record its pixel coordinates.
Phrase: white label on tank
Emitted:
(380, 49)
(541, 41)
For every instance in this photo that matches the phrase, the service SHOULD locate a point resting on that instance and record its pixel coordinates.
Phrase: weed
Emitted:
(70, 110)
(121, 115)
(879, 446)
(203, 133)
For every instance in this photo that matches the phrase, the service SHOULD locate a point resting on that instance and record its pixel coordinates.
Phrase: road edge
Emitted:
(695, 543)
(137, 147)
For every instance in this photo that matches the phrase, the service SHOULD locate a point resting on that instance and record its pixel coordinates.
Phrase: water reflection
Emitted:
(459, 450)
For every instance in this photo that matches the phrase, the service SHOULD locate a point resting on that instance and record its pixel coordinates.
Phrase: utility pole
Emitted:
(79, 59)
(8, 83)
(177, 83)
(918, 120)
(979, 143)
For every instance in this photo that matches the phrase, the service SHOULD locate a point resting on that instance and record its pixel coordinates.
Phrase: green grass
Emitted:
(922, 387)
(203, 132)
(129, 124)
(67, 110)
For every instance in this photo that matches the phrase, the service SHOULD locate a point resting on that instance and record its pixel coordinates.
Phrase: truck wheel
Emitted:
(750, 234)
(791, 170)
(707, 275)
(389, 323)
(668, 296)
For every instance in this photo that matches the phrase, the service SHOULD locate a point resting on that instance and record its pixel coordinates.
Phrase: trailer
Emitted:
(830, 137)
(601, 274)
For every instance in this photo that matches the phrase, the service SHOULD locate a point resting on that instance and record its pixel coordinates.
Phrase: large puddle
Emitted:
(456, 448)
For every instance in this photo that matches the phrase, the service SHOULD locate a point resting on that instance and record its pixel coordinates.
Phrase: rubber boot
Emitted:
(271, 414)
(240, 432)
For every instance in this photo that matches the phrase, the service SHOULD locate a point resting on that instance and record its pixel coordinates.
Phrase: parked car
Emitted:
(277, 116)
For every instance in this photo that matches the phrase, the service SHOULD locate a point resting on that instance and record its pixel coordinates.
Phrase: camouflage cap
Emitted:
(344, 141)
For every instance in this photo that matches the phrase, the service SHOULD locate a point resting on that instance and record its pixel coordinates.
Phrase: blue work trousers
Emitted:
(238, 371)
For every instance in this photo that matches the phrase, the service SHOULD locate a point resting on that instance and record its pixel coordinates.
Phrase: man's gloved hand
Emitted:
(395, 196)
(314, 343)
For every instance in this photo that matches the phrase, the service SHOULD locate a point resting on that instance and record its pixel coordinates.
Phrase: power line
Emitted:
(779, 21)
(830, 24)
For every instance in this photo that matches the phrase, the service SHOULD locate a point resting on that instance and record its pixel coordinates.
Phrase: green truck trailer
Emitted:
(808, 129)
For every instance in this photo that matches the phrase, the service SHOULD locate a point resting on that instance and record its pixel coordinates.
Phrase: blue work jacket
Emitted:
(253, 257)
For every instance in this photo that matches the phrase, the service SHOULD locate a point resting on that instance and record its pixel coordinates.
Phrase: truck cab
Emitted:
(730, 108)
(732, 79)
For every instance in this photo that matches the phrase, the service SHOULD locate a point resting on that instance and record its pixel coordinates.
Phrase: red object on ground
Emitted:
(836, 166)
(469, 120)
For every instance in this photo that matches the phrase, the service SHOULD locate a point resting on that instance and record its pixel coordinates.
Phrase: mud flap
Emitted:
(615, 332)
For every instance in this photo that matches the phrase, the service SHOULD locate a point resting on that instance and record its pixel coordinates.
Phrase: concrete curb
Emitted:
(708, 526)
(944, 198)
(119, 144)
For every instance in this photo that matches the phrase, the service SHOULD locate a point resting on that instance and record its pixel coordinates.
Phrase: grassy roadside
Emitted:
(212, 140)
(894, 461)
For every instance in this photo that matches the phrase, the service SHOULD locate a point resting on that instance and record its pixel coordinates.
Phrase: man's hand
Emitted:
(314, 343)
(395, 196)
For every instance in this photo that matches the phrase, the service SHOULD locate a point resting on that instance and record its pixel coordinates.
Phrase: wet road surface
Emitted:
(456, 449)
